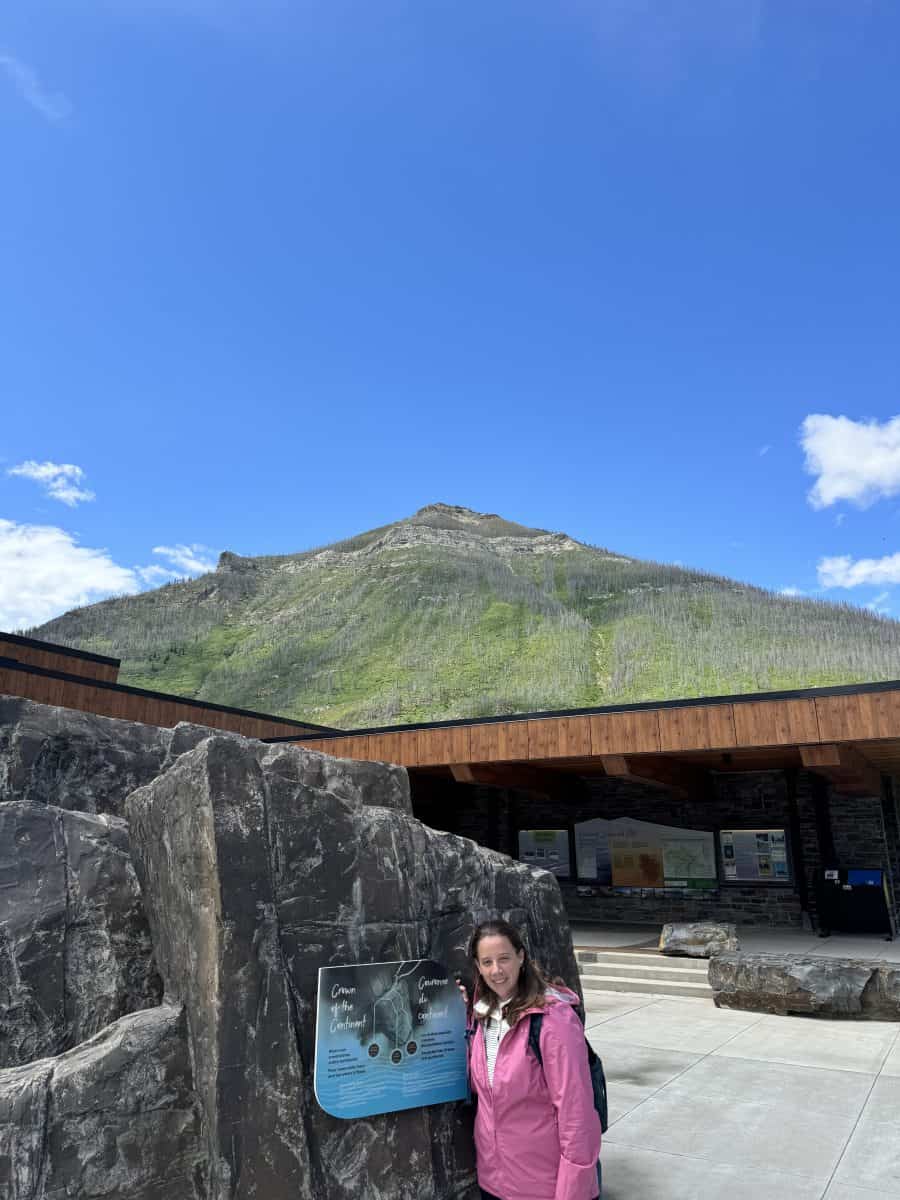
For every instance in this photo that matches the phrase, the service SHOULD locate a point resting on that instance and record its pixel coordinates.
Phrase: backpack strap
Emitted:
(535, 1021)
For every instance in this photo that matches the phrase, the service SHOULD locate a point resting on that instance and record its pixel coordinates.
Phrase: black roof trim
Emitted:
(55, 648)
(846, 689)
(86, 681)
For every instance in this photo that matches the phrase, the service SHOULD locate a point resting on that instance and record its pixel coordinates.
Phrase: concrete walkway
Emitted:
(712, 1104)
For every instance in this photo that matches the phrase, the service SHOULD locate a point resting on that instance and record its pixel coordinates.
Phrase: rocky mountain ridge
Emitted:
(455, 613)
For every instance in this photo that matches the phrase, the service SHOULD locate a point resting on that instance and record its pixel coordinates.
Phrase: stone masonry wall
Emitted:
(862, 835)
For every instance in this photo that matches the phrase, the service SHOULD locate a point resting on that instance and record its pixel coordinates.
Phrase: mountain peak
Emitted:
(468, 520)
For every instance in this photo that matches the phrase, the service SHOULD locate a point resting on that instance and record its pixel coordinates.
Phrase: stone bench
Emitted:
(788, 983)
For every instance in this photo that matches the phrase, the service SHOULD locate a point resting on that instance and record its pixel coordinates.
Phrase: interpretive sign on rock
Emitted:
(389, 1036)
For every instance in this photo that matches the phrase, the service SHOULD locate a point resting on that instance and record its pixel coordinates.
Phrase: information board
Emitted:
(592, 856)
(547, 848)
(389, 1036)
(626, 853)
(755, 855)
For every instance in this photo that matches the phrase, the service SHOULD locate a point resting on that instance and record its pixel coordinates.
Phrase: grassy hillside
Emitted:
(454, 614)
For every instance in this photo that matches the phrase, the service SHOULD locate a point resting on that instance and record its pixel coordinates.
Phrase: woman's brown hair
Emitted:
(532, 983)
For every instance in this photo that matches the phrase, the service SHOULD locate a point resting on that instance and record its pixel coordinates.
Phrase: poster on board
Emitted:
(389, 1036)
(627, 853)
(754, 855)
(547, 848)
(592, 857)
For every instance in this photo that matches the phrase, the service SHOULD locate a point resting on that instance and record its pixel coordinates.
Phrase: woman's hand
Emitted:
(462, 991)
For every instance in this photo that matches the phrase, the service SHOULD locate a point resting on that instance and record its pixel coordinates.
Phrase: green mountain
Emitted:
(453, 613)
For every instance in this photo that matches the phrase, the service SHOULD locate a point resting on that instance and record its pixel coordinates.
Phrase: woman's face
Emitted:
(499, 964)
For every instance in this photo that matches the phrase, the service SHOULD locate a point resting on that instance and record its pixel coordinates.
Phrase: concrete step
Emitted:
(641, 962)
(641, 971)
(651, 987)
(675, 974)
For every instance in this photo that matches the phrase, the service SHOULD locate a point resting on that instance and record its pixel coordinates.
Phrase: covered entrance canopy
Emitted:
(850, 735)
(815, 765)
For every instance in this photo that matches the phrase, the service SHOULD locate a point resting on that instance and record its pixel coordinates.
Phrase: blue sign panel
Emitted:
(389, 1036)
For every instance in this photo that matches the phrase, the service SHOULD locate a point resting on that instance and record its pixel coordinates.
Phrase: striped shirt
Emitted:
(495, 1029)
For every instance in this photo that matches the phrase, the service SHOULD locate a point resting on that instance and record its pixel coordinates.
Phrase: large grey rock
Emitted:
(261, 864)
(698, 939)
(75, 950)
(785, 983)
(114, 1119)
(79, 761)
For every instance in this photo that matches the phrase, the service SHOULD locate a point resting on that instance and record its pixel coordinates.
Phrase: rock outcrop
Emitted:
(80, 761)
(828, 987)
(242, 869)
(114, 1119)
(75, 949)
(255, 875)
(698, 939)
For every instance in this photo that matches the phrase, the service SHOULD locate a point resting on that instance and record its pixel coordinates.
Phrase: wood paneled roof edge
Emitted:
(13, 664)
(846, 689)
(19, 639)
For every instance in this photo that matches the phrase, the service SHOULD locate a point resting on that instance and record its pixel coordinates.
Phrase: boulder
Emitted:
(260, 864)
(700, 939)
(785, 983)
(115, 1118)
(243, 869)
(86, 763)
(79, 761)
(75, 950)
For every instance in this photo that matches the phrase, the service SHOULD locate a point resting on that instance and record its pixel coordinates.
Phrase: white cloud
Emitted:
(195, 559)
(852, 460)
(44, 572)
(792, 591)
(154, 574)
(52, 105)
(61, 481)
(842, 571)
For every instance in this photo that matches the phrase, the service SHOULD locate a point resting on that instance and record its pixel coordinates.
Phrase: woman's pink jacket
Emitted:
(537, 1133)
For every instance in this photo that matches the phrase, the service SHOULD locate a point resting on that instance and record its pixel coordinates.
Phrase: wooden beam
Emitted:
(827, 755)
(656, 771)
(462, 773)
(844, 767)
(517, 775)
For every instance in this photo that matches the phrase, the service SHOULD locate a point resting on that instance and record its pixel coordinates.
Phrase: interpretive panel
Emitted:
(389, 1036)
(592, 857)
(626, 853)
(547, 848)
(755, 855)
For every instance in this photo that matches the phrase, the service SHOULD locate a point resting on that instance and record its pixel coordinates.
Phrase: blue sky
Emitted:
(274, 273)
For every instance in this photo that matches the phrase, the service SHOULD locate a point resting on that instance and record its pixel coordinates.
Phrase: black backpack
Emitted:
(595, 1066)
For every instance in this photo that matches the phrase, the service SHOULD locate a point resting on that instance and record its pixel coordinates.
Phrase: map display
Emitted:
(754, 855)
(389, 1036)
(627, 853)
(547, 848)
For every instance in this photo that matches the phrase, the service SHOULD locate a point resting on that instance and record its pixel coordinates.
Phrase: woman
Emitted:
(537, 1133)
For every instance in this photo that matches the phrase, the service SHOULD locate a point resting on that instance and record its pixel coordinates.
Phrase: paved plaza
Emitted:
(713, 1104)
